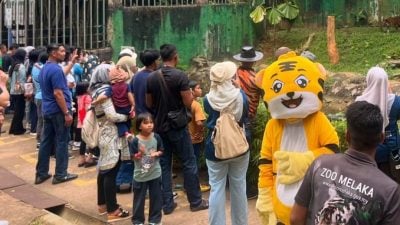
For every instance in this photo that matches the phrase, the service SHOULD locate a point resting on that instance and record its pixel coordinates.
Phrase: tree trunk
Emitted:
(332, 49)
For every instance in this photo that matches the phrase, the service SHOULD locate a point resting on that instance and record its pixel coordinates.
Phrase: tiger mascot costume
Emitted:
(297, 133)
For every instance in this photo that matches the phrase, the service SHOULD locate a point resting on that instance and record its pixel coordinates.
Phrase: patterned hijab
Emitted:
(100, 77)
(377, 92)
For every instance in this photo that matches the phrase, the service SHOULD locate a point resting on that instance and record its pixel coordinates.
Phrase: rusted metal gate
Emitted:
(80, 23)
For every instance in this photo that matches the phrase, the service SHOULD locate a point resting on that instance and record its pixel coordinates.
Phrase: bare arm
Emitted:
(187, 98)
(4, 94)
(131, 99)
(299, 214)
(59, 96)
(71, 63)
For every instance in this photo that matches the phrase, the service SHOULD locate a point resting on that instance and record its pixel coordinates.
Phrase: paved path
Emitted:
(18, 154)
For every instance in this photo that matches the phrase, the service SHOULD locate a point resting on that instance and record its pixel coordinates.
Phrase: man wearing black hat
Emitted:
(245, 77)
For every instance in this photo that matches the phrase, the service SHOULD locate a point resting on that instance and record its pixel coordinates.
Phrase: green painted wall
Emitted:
(214, 31)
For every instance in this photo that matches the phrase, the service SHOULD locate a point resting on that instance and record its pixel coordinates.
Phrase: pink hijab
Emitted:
(377, 92)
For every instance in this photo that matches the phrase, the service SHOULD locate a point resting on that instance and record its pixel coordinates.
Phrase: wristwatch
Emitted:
(67, 112)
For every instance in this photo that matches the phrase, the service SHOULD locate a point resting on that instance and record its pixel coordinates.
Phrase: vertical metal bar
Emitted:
(56, 21)
(104, 24)
(48, 22)
(17, 22)
(1, 21)
(97, 24)
(26, 24)
(64, 14)
(84, 24)
(33, 22)
(70, 22)
(77, 23)
(91, 24)
(41, 22)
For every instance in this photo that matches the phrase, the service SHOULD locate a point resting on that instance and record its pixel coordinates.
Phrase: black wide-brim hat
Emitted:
(248, 54)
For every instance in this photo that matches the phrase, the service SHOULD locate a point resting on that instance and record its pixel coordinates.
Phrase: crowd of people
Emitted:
(57, 86)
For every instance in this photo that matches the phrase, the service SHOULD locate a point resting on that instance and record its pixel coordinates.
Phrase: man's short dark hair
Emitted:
(364, 124)
(14, 46)
(53, 47)
(167, 51)
(43, 57)
(149, 56)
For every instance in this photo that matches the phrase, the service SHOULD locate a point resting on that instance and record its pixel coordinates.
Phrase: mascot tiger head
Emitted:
(293, 87)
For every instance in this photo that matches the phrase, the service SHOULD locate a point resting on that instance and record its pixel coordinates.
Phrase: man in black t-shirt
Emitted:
(168, 90)
(349, 188)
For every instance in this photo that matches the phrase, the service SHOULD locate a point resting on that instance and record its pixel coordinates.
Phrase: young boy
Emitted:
(349, 188)
(196, 127)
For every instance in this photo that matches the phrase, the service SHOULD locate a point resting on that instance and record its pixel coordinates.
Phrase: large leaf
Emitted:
(274, 16)
(258, 14)
(289, 10)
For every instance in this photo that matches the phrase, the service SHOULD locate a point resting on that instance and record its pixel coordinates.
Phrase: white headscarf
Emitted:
(223, 94)
(377, 92)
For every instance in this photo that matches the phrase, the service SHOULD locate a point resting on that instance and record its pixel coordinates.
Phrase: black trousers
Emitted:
(139, 196)
(107, 190)
(19, 112)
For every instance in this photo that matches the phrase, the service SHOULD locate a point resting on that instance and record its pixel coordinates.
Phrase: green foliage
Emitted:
(359, 48)
(257, 131)
(339, 122)
(275, 13)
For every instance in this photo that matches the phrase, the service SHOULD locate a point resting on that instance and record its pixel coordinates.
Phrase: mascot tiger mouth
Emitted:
(292, 103)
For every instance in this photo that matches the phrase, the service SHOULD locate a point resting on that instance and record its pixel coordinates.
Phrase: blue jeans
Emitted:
(197, 152)
(179, 142)
(235, 169)
(155, 200)
(54, 133)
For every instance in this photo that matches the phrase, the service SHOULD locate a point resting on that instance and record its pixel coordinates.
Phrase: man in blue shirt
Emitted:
(56, 105)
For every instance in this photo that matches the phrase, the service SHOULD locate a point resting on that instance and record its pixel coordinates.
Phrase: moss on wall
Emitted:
(214, 31)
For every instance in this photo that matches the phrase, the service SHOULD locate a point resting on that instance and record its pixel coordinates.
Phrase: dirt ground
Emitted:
(18, 155)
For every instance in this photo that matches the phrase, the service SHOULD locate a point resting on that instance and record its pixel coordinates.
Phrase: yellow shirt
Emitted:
(196, 131)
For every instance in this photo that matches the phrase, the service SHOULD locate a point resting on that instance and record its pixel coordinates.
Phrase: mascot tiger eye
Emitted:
(297, 133)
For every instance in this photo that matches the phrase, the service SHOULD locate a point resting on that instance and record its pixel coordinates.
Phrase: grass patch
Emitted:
(359, 48)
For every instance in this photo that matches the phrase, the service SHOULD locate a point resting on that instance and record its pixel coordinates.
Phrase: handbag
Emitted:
(90, 129)
(178, 118)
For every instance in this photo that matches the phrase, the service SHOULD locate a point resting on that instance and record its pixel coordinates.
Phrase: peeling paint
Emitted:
(214, 31)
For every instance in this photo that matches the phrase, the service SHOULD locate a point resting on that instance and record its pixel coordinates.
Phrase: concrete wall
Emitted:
(213, 31)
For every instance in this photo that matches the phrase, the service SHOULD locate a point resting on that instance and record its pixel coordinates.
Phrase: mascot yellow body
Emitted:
(296, 134)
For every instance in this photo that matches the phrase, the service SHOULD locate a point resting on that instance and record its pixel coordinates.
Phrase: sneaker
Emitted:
(120, 215)
(169, 211)
(37, 146)
(175, 195)
(155, 223)
(33, 133)
(58, 180)
(203, 205)
(76, 143)
(39, 180)
(204, 187)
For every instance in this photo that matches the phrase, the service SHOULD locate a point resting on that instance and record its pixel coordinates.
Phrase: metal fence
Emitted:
(131, 3)
(40, 22)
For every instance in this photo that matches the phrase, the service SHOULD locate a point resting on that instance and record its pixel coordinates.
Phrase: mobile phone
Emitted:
(79, 51)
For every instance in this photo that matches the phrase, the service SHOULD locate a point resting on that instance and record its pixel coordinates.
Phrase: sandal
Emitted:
(102, 210)
(120, 215)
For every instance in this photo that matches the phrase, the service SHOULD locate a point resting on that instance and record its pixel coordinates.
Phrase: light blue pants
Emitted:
(235, 169)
